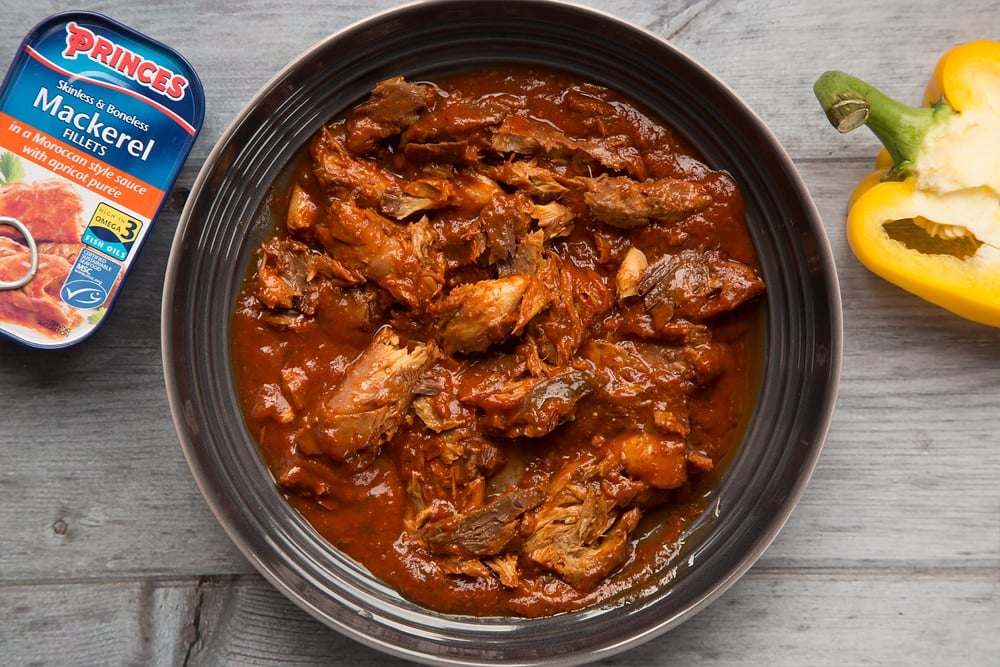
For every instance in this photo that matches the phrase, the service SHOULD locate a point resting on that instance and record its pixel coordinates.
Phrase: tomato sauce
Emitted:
(503, 340)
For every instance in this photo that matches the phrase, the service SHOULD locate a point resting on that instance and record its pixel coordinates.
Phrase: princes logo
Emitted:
(82, 41)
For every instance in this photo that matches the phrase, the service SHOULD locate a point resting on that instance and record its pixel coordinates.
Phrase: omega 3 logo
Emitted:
(82, 41)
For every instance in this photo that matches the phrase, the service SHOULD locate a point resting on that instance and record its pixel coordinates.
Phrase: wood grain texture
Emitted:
(109, 555)
(828, 618)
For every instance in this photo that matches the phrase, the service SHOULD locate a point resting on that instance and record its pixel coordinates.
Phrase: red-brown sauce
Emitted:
(502, 341)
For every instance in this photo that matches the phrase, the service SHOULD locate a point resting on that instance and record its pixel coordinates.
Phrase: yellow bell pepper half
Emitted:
(887, 230)
(928, 218)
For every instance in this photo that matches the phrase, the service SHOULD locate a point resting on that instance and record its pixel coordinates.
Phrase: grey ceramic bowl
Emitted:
(225, 218)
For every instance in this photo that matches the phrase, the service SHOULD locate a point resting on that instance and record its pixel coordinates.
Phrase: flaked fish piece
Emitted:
(626, 203)
(697, 285)
(394, 105)
(506, 570)
(303, 211)
(310, 477)
(476, 315)
(466, 567)
(534, 406)
(553, 218)
(368, 404)
(425, 408)
(460, 152)
(529, 136)
(505, 220)
(454, 131)
(578, 298)
(445, 473)
(425, 194)
(586, 100)
(463, 191)
(635, 369)
(582, 530)
(457, 118)
(538, 182)
(289, 273)
(435, 403)
(351, 178)
(397, 257)
(529, 256)
(482, 531)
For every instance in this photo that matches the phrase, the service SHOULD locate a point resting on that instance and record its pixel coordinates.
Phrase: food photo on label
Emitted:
(96, 121)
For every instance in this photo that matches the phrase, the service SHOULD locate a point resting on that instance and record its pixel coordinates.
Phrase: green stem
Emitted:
(850, 103)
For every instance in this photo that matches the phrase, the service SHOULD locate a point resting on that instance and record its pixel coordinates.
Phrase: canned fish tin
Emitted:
(96, 121)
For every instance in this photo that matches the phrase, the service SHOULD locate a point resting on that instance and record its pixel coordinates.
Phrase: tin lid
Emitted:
(96, 121)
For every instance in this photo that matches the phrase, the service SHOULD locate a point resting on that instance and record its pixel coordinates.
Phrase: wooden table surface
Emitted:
(110, 556)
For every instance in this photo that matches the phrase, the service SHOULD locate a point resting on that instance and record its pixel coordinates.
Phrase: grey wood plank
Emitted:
(771, 55)
(134, 623)
(830, 618)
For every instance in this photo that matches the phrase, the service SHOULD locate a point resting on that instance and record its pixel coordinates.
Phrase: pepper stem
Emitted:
(850, 103)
